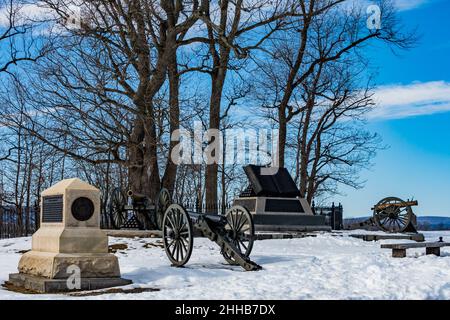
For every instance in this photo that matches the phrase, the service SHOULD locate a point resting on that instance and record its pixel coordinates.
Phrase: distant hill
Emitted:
(424, 223)
(433, 223)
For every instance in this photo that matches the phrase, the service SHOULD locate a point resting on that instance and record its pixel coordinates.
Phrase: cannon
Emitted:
(130, 210)
(391, 215)
(233, 232)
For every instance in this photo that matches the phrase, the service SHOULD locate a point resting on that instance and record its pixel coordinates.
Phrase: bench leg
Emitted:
(398, 253)
(435, 251)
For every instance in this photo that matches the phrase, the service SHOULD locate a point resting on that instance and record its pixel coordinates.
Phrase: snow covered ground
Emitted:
(328, 266)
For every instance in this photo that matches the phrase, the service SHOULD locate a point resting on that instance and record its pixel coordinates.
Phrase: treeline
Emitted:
(94, 89)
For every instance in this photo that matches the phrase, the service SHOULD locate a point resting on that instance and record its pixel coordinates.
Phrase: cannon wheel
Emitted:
(241, 230)
(392, 217)
(116, 204)
(177, 235)
(163, 202)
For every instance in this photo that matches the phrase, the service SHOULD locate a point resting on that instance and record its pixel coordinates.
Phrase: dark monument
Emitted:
(275, 204)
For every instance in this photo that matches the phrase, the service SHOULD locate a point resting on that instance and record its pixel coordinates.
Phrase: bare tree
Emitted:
(17, 43)
(233, 30)
(330, 141)
(119, 78)
(101, 84)
(325, 31)
(23, 171)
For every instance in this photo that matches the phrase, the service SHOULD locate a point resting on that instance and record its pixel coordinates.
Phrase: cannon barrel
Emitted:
(136, 196)
(400, 204)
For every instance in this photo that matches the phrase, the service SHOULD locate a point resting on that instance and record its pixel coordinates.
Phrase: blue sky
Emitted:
(413, 118)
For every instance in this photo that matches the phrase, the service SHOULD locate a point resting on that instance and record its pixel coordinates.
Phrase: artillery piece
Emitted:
(233, 232)
(138, 211)
(391, 215)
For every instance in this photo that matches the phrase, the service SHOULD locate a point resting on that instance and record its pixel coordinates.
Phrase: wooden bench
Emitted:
(419, 237)
(399, 249)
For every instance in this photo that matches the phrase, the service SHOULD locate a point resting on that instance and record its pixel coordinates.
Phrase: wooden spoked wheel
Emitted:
(240, 231)
(391, 215)
(116, 208)
(177, 235)
(163, 202)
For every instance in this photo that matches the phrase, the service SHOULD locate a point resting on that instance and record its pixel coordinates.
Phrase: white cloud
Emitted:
(416, 99)
(24, 13)
(403, 5)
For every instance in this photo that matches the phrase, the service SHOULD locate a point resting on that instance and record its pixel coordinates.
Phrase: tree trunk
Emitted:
(282, 133)
(17, 192)
(28, 191)
(170, 173)
(151, 183)
(136, 157)
(211, 175)
(223, 180)
(304, 155)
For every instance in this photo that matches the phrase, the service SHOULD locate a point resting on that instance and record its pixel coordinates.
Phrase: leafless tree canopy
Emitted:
(95, 88)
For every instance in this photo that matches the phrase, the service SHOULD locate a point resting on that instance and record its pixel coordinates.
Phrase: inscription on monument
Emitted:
(52, 209)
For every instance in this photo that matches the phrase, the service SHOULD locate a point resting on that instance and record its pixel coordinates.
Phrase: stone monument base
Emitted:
(55, 265)
(45, 272)
(46, 285)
